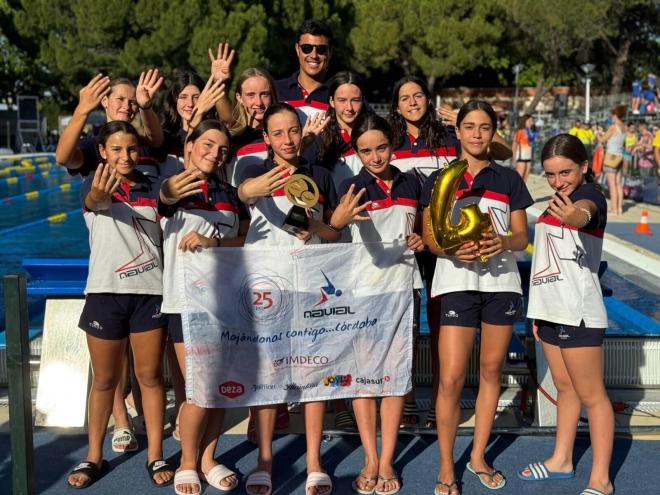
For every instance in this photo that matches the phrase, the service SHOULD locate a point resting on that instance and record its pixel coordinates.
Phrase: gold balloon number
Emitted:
(472, 222)
(301, 191)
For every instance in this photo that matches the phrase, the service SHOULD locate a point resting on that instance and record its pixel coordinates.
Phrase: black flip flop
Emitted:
(91, 470)
(159, 466)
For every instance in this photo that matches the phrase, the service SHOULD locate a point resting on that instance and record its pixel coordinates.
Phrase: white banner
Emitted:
(274, 325)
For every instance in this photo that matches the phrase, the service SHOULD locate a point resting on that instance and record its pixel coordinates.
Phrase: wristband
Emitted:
(332, 227)
(588, 214)
(145, 108)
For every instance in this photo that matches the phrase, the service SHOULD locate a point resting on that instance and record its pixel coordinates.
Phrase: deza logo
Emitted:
(328, 291)
(231, 389)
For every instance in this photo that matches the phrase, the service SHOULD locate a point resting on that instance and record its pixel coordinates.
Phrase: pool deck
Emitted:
(632, 255)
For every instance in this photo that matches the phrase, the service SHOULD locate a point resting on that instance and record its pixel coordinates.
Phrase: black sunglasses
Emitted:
(307, 48)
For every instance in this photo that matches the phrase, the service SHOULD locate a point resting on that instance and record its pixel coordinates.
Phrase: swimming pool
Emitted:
(27, 232)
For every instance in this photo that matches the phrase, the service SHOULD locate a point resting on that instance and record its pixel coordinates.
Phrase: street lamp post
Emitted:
(517, 69)
(587, 69)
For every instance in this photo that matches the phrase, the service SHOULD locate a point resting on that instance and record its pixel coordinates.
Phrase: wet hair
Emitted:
(240, 114)
(208, 125)
(431, 130)
(114, 127)
(567, 146)
(181, 79)
(370, 122)
(473, 105)
(274, 109)
(331, 144)
(315, 27)
(619, 111)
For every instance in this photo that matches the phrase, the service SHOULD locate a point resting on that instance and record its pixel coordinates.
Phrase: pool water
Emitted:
(68, 239)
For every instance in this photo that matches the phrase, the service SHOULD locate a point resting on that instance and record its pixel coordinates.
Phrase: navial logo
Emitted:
(328, 292)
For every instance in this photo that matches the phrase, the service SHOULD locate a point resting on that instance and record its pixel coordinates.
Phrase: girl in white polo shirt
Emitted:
(199, 211)
(476, 294)
(566, 303)
(261, 187)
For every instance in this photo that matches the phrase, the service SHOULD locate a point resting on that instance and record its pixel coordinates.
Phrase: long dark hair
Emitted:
(432, 131)
(370, 122)
(171, 118)
(569, 147)
(331, 144)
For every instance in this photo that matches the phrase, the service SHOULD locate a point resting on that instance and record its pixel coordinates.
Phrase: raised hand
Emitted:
(177, 187)
(315, 124)
(92, 94)
(104, 184)
(349, 209)
(213, 91)
(447, 115)
(563, 209)
(264, 185)
(148, 85)
(221, 65)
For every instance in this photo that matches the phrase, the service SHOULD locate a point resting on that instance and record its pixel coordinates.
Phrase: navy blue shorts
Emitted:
(470, 308)
(115, 316)
(175, 328)
(567, 336)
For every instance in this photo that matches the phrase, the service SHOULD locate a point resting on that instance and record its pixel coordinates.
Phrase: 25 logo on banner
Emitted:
(265, 297)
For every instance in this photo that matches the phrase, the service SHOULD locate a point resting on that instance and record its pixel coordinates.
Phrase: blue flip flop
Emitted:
(541, 473)
(490, 474)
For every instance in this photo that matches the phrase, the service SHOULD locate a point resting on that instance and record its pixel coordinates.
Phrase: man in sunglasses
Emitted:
(305, 90)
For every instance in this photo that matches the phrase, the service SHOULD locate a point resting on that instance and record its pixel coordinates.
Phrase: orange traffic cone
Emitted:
(643, 225)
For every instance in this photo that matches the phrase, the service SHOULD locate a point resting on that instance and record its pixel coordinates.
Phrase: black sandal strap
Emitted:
(91, 470)
(159, 466)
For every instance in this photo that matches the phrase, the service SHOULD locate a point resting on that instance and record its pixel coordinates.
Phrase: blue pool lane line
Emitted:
(58, 217)
(30, 195)
(637, 323)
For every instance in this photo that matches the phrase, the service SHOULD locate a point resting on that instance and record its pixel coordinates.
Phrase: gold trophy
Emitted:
(303, 193)
(472, 222)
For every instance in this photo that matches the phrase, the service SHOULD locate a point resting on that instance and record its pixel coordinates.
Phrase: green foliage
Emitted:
(60, 44)
(433, 39)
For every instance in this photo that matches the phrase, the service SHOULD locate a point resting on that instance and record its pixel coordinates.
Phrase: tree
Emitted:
(436, 39)
(554, 35)
(632, 29)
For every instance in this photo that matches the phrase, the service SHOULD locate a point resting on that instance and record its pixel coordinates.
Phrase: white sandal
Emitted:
(187, 477)
(259, 478)
(218, 473)
(316, 480)
(123, 440)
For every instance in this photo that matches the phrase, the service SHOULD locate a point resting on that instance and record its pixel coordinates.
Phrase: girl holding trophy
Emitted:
(269, 189)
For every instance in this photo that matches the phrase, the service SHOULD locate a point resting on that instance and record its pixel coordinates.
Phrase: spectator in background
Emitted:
(644, 150)
(648, 100)
(614, 141)
(523, 144)
(636, 96)
(629, 143)
(656, 151)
